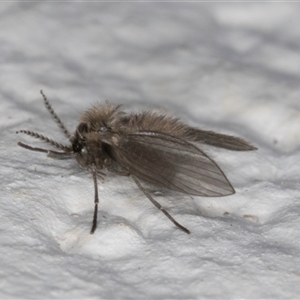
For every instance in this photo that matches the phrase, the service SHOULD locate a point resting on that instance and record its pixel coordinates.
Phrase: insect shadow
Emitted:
(149, 147)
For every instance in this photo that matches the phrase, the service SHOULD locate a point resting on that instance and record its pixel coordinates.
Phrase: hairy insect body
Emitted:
(149, 147)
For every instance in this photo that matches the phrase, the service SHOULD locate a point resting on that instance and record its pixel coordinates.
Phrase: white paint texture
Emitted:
(230, 67)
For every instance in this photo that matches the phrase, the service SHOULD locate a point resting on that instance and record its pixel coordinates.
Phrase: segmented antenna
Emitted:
(46, 140)
(56, 118)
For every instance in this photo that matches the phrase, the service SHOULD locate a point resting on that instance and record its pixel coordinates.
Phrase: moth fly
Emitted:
(150, 147)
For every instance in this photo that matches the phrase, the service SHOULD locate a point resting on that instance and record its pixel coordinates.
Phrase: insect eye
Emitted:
(77, 147)
(82, 128)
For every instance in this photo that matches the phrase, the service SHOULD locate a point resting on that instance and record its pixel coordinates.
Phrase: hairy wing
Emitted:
(216, 139)
(172, 163)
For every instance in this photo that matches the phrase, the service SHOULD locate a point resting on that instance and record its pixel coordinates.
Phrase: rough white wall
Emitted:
(230, 67)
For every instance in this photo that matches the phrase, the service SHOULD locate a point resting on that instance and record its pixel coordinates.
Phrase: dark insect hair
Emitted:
(149, 147)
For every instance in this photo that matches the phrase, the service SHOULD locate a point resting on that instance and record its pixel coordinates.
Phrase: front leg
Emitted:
(96, 198)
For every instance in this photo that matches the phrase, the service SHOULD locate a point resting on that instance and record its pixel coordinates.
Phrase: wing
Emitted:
(216, 139)
(172, 163)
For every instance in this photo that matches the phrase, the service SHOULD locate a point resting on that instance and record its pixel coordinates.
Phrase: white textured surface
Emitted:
(233, 68)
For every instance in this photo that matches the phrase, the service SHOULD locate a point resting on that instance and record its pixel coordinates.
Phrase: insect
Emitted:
(150, 147)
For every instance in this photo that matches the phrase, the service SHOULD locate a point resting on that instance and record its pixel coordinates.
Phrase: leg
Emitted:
(159, 206)
(94, 172)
